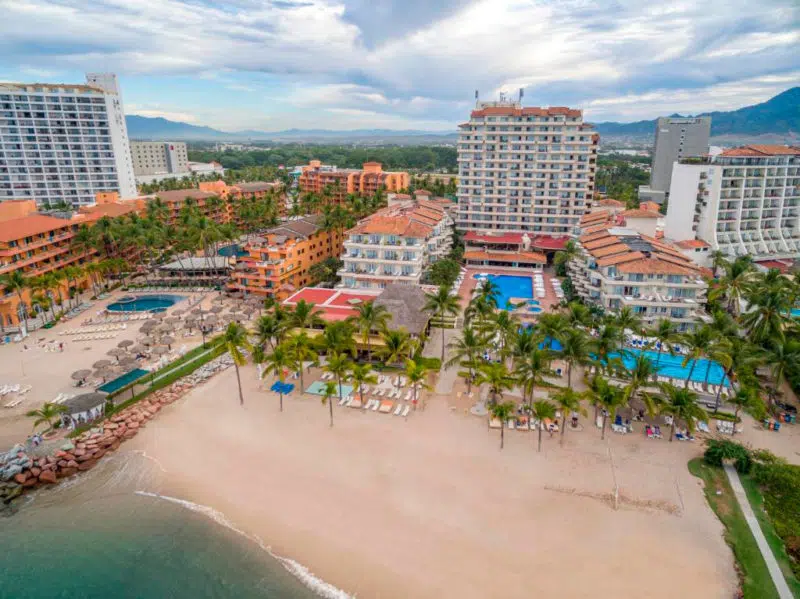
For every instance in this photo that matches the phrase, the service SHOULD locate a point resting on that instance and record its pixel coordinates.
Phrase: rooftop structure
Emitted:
(337, 184)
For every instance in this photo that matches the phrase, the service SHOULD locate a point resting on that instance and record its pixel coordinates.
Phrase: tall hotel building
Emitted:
(64, 142)
(744, 201)
(525, 170)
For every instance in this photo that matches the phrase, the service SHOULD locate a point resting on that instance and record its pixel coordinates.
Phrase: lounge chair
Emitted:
(406, 411)
(398, 409)
(375, 405)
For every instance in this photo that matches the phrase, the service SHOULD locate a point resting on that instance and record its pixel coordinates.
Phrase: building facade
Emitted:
(323, 179)
(744, 201)
(619, 267)
(64, 142)
(525, 170)
(395, 245)
(159, 158)
(279, 262)
(676, 139)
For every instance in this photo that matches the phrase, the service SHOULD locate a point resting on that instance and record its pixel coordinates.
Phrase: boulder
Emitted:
(31, 482)
(130, 434)
(87, 465)
(80, 451)
(99, 453)
(60, 453)
(72, 464)
(62, 463)
(85, 458)
(36, 471)
(115, 446)
(48, 476)
(21, 477)
(51, 459)
(110, 425)
(65, 472)
(69, 456)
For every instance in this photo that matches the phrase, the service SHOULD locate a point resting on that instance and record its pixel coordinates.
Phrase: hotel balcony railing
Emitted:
(37, 243)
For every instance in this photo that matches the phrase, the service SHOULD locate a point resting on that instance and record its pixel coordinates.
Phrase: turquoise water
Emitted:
(318, 388)
(232, 250)
(511, 286)
(99, 539)
(144, 303)
(121, 381)
(796, 312)
(672, 366)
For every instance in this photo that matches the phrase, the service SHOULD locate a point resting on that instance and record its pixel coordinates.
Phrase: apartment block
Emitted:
(620, 267)
(525, 170)
(338, 183)
(280, 260)
(159, 158)
(743, 201)
(395, 245)
(64, 142)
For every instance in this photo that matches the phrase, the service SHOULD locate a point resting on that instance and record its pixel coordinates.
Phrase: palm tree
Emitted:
(278, 363)
(697, 343)
(680, 403)
(496, 375)
(370, 317)
(608, 397)
(337, 337)
(607, 343)
(552, 326)
(304, 316)
(466, 351)
(417, 373)
(769, 312)
(46, 414)
(568, 400)
(782, 358)
(503, 327)
(300, 347)
(735, 281)
(666, 334)
(718, 260)
(578, 315)
(397, 346)
(16, 282)
(745, 398)
(502, 411)
(487, 293)
(269, 330)
(259, 357)
(626, 318)
(328, 393)
(570, 252)
(639, 375)
(338, 365)
(235, 340)
(575, 351)
(542, 410)
(440, 305)
(531, 368)
(73, 273)
(360, 375)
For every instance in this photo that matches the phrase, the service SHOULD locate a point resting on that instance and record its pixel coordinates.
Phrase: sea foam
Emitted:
(302, 573)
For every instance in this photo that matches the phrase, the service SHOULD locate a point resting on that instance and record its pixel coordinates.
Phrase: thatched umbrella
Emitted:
(147, 327)
(117, 352)
(127, 362)
(168, 341)
(164, 328)
(178, 312)
(101, 364)
(104, 373)
(160, 350)
(217, 309)
(125, 343)
(172, 320)
(137, 349)
(81, 375)
(147, 341)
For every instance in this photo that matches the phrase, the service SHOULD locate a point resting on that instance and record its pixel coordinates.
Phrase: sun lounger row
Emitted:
(524, 424)
(19, 389)
(95, 337)
(376, 405)
(95, 329)
(127, 317)
(62, 397)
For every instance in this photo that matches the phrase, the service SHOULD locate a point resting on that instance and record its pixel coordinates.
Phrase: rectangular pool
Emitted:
(121, 381)
(318, 388)
(511, 286)
(672, 366)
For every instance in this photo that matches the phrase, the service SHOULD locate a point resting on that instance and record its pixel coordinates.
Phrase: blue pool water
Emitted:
(232, 250)
(796, 312)
(672, 366)
(318, 388)
(510, 286)
(121, 381)
(144, 303)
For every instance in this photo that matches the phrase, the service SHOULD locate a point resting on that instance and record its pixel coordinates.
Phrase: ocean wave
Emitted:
(298, 570)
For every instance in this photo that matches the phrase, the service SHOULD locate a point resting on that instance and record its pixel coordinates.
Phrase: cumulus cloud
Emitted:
(414, 61)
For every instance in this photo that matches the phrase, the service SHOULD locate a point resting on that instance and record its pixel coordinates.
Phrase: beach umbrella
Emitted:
(197, 311)
(163, 328)
(80, 375)
(147, 327)
(137, 349)
(217, 309)
(178, 312)
(125, 343)
(160, 351)
(147, 341)
(172, 320)
(168, 341)
(104, 373)
(116, 352)
(127, 361)
(101, 364)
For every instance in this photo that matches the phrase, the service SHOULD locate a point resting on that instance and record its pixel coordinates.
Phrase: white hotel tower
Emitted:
(525, 169)
(64, 142)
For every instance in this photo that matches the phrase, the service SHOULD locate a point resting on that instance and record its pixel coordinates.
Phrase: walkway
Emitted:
(772, 565)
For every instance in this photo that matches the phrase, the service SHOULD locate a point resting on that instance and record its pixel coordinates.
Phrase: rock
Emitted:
(51, 459)
(49, 467)
(13, 493)
(87, 465)
(60, 453)
(21, 477)
(110, 425)
(36, 471)
(65, 472)
(72, 464)
(31, 482)
(48, 476)
(62, 463)
(84, 458)
(10, 471)
(114, 446)
(80, 451)
(80, 446)
(133, 425)
(130, 434)
(99, 454)
(68, 446)
(69, 456)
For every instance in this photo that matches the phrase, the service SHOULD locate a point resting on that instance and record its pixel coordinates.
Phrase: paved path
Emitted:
(763, 546)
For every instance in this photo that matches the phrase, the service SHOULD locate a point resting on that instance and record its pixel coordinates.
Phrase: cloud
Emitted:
(414, 61)
(183, 117)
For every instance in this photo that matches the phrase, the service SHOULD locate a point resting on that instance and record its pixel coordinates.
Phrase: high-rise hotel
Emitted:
(64, 142)
(527, 170)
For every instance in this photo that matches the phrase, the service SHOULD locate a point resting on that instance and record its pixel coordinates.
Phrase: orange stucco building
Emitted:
(280, 260)
(317, 178)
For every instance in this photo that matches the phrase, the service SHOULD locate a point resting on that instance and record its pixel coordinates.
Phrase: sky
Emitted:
(406, 64)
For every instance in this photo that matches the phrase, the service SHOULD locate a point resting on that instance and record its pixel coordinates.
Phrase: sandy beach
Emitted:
(383, 507)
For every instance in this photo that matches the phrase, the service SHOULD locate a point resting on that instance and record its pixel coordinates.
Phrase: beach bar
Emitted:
(83, 408)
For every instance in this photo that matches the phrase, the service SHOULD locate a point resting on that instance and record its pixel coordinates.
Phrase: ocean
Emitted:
(111, 533)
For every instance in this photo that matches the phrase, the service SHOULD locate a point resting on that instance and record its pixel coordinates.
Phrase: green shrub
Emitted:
(779, 482)
(719, 450)
(430, 363)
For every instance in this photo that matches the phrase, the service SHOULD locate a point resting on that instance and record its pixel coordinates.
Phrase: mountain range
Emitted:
(778, 116)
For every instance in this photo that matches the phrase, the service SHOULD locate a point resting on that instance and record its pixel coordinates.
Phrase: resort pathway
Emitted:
(772, 565)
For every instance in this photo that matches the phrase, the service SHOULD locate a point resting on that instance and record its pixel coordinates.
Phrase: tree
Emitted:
(641, 373)
(496, 375)
(440, 304)
(329, 392)
(745, 398)
(568, 400)
(466, 351)
(337, 337)
(552, 326)
(16, 282)
(698, 344)
(734, 282)
(269, 330)
(531, 368)
(360, 375)
(338, 365)
(502, 411)
(443, 273)
(278, 363)
(574, 351)
(397, 346)
(304, 316)
(626, 318)
(259, 356)
(417, 373)
(48, 413)
(370, 317)
(665, 334)
(606, 345)
(609, 398)
(235, 340)
(326, 271)
(680, 403)
(563, 257)
(300, 348)
(718, 260)
(542, 410)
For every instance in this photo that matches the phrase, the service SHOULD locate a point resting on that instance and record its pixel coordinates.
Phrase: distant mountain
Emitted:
(143, 127)
(779, 115)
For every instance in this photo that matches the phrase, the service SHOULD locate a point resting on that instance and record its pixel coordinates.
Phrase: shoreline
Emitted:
(429, 507)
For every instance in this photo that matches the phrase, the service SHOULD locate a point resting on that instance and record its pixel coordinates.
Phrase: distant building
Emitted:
(676, 139)
(159, 157)
(339, 183)
(744, 201)
(62, 142)
(525, 170)
(206, 168)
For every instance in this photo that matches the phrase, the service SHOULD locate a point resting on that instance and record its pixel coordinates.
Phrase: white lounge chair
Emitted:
(398, 409)
(406, 410)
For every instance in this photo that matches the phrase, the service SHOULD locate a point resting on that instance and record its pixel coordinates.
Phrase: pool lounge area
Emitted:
(144, 303)
(122, 381)
(672, 366)
(509, 286)
(318, 388)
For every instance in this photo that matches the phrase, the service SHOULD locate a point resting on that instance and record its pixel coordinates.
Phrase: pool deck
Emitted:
(468, 285)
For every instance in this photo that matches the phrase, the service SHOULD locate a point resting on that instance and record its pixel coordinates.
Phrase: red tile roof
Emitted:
(34, 224)
(547, 242)
(508, 238)
(530, 111)
(639, 213)
(762, 150)
(689, 244)
(500, 256)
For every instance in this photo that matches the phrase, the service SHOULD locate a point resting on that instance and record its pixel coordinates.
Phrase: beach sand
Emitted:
(383, 507)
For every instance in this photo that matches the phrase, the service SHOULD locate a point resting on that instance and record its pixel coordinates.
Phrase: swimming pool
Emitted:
(121, 381)
(510, 286)
(144, 303)
(796, 312)
(232, 250)
(318, 388)
(672, 366)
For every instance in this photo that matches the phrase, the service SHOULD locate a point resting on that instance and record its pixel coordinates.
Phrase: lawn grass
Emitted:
(775, 542)
(754, 576)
